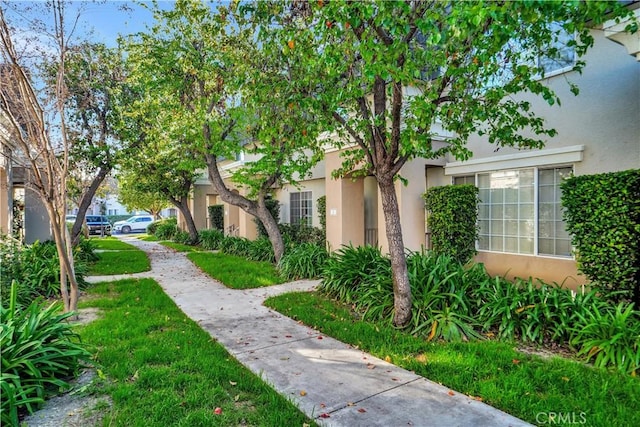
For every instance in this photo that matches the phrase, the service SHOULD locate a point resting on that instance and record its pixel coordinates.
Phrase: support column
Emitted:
(345, 207)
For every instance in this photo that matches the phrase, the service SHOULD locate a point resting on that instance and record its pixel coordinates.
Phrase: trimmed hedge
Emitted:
(216, 215)
(452, 220)
(602, 213)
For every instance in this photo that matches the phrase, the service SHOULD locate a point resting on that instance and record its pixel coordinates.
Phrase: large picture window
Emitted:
(301, 208)
(520, 212)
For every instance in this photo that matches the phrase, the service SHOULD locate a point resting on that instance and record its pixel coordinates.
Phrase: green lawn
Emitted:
(112, 244)
(161, 369)
(120, 262)
(519, 384)
(236, 272)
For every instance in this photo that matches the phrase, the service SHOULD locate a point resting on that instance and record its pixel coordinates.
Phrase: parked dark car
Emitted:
(98, 224)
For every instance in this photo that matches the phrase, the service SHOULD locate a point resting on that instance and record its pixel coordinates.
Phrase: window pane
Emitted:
(554, 239)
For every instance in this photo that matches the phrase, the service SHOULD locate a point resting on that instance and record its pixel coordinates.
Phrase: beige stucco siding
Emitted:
(604, 117)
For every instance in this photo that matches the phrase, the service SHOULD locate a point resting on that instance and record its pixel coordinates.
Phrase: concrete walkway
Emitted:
(342, 386)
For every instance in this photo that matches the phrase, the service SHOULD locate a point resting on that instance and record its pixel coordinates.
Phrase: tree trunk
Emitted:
(401, 287)
(183, 207)
(271, 226)
(257, 209)
(68, 282)
(85, 201)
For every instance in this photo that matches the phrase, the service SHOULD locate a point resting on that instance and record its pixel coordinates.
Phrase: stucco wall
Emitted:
(605, 116)
(283, 195)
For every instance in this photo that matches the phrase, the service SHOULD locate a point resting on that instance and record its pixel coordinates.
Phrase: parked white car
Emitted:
(137, 223)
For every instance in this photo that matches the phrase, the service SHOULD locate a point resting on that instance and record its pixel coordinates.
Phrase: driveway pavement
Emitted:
(332, 382)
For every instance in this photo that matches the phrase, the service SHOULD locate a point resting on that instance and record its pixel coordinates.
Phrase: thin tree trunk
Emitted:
(271, 226)
(183, 207)
(259, 210)
(85, 201)
(401, 287)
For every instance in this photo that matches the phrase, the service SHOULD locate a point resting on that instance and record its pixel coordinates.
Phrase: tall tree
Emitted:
(94, 74)
(45, 151)
(392, 72)
(135, 195)
(204, 69)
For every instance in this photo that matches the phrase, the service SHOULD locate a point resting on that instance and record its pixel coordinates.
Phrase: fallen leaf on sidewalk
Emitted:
(303, 393)
(451, 393)
(371, 366)
(387, 359)
(325, 415)
(362, 410)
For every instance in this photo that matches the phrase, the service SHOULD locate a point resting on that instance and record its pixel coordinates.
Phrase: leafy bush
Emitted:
(350, 267)
(452, 220)
(165, 229)
(454, 302)
(210, 239)
(304, 261)
(39, 351)
(261, 249)
(182, 237)
(322, 214)
(443, 303)
(295, 234)
(233, 245)
(85, 250)
(36, 268)
(273, 206)
(602, 213)
(216, 216)
(609, 337)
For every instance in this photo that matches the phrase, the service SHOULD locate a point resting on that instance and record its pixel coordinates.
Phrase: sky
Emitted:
(100, 21)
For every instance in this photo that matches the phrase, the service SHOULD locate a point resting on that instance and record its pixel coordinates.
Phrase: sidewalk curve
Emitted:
(342, 386)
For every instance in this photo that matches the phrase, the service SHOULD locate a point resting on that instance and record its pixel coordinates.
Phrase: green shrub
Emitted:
(85, 250)
(216, 216)
(273, 206)
(39, 352)
(36, 268)
(350, 267)
(261, 249)
(322, 214)
(602, 213)
(609, 336)
(452, 220)
(304, 261)
(165, 229)
(233, 245)
(295, 234)
(182, 237)
(210, 239)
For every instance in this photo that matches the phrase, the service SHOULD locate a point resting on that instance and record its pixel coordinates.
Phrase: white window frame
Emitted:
(537, 160)
(302, 196)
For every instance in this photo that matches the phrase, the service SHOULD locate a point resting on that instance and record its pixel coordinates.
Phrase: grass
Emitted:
(148, 238)
(162, 369)
(236, 272)
(112, 244)
(519, 384)
(120, 262)
(179, 247)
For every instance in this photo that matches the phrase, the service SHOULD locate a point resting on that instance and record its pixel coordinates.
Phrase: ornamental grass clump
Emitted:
(210, 239)
(350, 268)
(261, 249)
(303, 261)
(40, 353)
